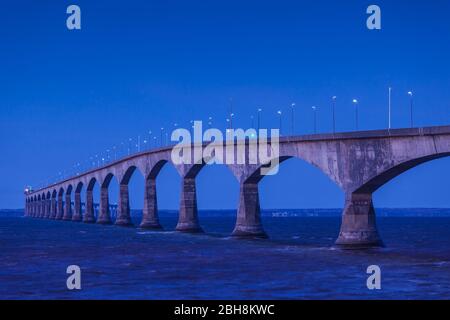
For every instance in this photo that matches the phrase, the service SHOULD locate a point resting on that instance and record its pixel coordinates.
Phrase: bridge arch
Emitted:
(384, 177)
(150, 210)
(104, 216)
(248, 222)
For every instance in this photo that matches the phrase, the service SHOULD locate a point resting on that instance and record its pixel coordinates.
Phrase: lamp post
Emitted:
(231, 113)
(161, 136)
(355, 102)
(410, 94)
(149, 139)
(292, 119)
(129, 145)
(259, 118)
(280, 120)
(314, 108)
(389, 108)
(334, 113)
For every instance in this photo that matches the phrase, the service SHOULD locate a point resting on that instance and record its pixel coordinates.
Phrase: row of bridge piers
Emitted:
(358, 222)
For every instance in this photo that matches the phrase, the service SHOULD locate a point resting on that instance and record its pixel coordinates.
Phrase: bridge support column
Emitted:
(38, 208)
(53, 208)
(248, 221)
(188, 215)
(77, 207)
(41, 208)
(123, 214)
(60, 209)
(358, 228)
(104, 216)
(68, 208)
(47, 209)
(89, 216)
(150, 218)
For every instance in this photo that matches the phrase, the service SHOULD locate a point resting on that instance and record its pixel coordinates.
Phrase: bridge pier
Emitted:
(123, 215)
(150, 218)
(89, 216)
(47, 209)
(104, 216)
(41, 209)
(68, 208)
(60, 210)
(248, 220)
(188, 215)
(53, 208)
(38, 208)
(358, 227)
(77, 207)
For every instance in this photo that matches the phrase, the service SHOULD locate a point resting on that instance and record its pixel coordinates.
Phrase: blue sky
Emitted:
(140, 65)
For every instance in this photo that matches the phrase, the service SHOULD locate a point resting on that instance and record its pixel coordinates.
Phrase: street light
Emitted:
(231, 120)
(259, 118)
(314, 108)
(292, 118)
(279, 116)
(161, 136)
(389, 110)
(410, 93)
(334, 113)
(149, 139)
(355, 102)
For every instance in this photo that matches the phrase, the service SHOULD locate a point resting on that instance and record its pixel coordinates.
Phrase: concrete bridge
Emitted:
(358, 162)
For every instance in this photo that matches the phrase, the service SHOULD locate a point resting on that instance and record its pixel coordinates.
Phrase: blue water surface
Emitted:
(299, 260)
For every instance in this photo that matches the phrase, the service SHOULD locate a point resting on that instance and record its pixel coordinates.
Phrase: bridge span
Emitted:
(358, 162)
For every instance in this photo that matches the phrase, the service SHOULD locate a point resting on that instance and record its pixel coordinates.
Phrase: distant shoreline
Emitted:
(283, 213)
